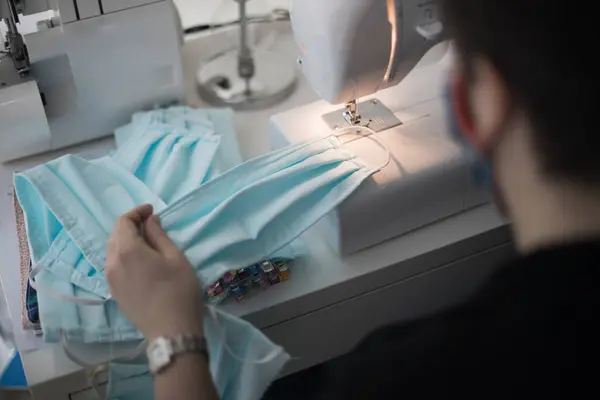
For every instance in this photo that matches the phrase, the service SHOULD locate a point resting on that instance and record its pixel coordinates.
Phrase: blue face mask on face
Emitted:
(481, 170)
(229, 222)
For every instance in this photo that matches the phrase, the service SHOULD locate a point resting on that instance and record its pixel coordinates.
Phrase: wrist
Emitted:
(175, 329)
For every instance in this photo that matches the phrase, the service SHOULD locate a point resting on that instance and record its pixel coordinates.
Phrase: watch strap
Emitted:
(189, 343)
(162, 351)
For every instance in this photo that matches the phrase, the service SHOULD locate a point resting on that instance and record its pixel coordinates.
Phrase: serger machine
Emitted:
(84, 69)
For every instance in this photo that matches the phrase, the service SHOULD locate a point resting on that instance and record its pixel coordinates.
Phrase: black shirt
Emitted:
(531, 332)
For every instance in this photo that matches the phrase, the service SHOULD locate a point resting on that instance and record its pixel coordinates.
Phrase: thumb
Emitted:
(156, 236)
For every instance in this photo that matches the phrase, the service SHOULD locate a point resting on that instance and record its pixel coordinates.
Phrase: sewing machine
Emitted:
(396, 49)
(89, 66)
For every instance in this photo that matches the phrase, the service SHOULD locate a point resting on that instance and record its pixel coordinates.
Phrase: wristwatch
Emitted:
(162, 351)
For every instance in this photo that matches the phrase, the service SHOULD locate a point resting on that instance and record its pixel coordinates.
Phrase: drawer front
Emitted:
(330, 332)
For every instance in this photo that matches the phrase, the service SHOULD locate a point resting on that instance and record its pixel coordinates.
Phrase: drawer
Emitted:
(332, 331)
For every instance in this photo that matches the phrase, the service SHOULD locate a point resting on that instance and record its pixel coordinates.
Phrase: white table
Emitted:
(330, 303)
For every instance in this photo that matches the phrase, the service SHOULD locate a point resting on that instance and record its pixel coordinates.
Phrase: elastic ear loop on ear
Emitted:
(357, 131)
(268, 358)
(464, 124)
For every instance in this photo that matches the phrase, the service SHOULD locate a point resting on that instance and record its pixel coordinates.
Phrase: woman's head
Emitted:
(524, 77)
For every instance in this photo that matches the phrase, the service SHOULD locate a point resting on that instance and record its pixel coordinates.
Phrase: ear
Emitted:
(482, 104)
(459, 91)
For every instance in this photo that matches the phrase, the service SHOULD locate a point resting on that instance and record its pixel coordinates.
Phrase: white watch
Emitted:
(162, 351)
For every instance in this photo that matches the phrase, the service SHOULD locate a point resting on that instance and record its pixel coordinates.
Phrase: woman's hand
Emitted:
(153, 283)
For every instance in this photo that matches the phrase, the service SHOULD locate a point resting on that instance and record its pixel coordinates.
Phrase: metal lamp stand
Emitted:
(246, 80)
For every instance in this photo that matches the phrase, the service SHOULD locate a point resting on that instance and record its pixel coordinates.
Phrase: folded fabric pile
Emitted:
(221, 220)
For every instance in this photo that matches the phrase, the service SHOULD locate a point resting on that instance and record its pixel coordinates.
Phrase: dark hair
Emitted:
(538, 49)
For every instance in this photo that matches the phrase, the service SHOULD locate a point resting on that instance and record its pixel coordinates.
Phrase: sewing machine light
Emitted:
(395, 32)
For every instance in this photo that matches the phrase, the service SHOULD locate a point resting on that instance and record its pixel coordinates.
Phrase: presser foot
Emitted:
(371, 114)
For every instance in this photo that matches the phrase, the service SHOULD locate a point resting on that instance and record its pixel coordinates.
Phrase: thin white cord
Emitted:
(70, 299)
(357, 131)
(142, 347)
(71, 356)
(139, 350)
(94, 381)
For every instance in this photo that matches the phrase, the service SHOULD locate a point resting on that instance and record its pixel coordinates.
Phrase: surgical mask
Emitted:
(200, 122)
(203, 122)
(257, 208)
(481, 170)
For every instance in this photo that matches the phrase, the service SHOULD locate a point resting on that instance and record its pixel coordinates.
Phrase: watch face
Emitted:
(159, 354)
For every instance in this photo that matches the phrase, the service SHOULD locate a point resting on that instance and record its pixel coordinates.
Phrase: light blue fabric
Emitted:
(235, 220)
(129, 382)
(89, 196)
(183, 118)
(252, 211)
(86, 197)
(206, 121)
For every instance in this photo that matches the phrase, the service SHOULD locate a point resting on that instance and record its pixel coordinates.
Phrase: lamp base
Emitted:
(220, 84)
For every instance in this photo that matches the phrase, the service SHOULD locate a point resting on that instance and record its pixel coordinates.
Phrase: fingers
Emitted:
(157, 238)
(128, 225)
(139, 214)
